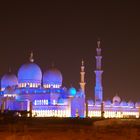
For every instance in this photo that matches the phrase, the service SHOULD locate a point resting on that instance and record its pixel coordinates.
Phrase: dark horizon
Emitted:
(66, 33)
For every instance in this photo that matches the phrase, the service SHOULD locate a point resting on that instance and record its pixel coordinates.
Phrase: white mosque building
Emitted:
(43, 95)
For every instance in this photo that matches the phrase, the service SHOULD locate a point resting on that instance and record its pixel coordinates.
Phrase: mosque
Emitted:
(43, 95)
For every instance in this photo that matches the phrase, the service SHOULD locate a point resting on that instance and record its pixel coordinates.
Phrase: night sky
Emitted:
(64, 33)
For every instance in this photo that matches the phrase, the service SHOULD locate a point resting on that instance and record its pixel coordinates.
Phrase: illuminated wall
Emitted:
(78, 107)
(113, 112)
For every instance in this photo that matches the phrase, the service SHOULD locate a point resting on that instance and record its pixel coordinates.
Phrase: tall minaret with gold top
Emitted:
(98, 74)
(82, 73)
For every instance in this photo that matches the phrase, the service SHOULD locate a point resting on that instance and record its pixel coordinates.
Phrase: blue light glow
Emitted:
(52, 77)
(9, 80)
(72, 91)
(29, 72)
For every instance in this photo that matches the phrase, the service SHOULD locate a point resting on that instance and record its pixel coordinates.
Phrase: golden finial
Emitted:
(31, 57)
(82, 62)
(98, 43)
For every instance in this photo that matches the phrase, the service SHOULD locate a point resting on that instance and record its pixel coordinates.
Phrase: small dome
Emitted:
(29, 73)
(90, 102)
(116, 99)
(52, 77)
(116, 104)
(107, 103)
(98, 103)
(131, 104)
(9, 80)
(123, 103)
(72, 91)
(137, 104)
(61, 100)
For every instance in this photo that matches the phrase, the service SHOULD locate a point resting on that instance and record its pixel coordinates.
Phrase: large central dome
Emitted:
(29, 73)
(52, 77)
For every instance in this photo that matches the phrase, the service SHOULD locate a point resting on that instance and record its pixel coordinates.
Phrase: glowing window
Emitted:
(31, 85)
(35, 103)
(54, 102)
(46, 102)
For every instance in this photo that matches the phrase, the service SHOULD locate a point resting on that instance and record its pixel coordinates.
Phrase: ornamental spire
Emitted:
(82, 76)
(98, 43)
(98, 74)
(98, 47)
(82, 62)
(31, 57)
(9, 70)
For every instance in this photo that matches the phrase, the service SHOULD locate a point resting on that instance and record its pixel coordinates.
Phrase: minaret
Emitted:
(82, 73)
(98, 75)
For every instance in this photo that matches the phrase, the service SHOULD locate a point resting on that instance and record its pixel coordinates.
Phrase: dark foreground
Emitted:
(69, 129)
